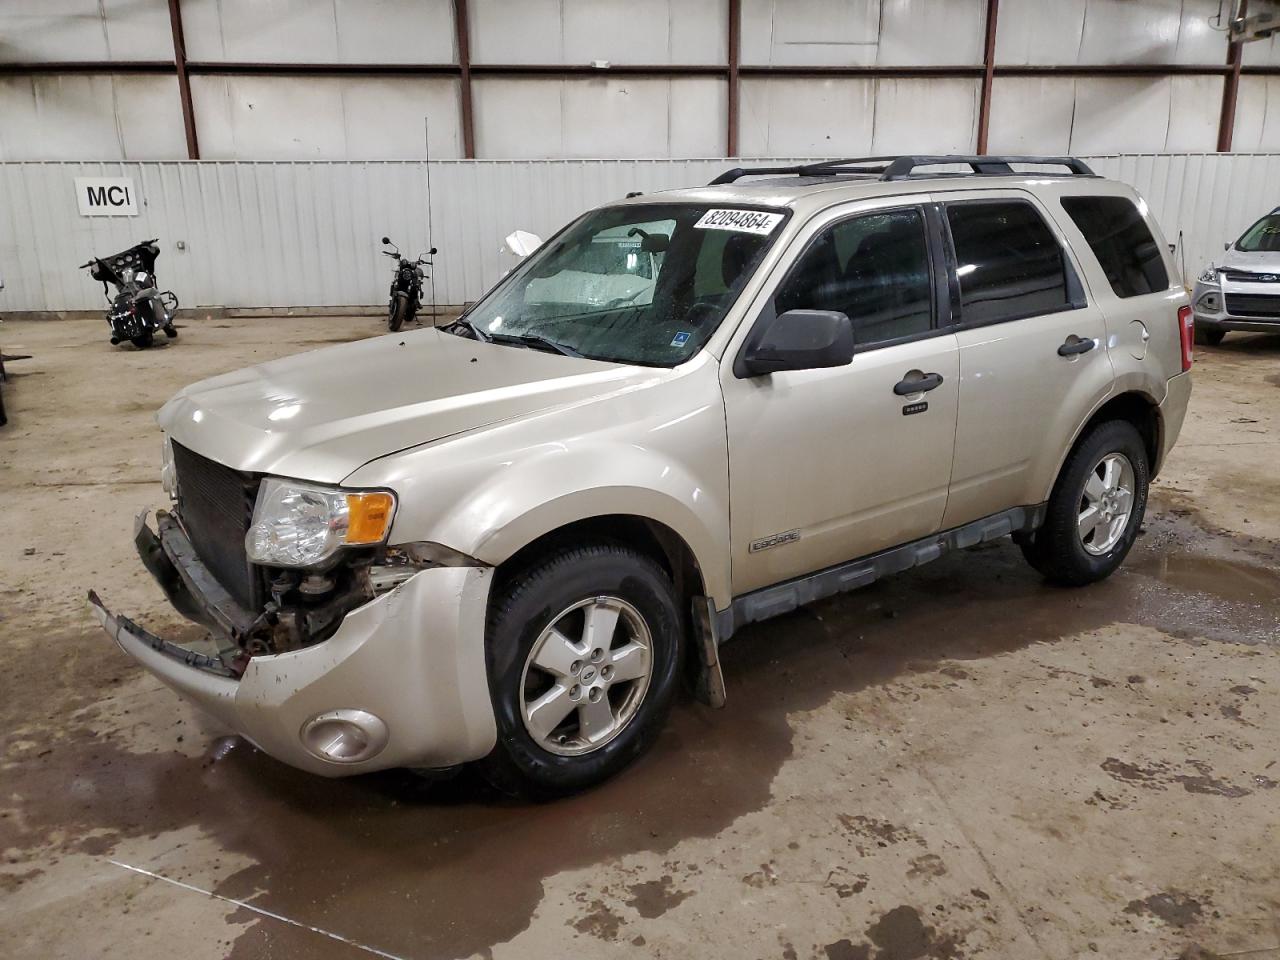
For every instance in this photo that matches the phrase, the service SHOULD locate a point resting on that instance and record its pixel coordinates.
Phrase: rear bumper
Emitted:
(1223, 321)
(1173, 411)
(408, 666)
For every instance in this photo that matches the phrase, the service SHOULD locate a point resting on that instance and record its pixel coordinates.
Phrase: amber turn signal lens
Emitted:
(369, 516)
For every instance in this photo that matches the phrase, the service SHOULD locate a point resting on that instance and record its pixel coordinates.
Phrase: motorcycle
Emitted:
(138, 309)
(406, 285)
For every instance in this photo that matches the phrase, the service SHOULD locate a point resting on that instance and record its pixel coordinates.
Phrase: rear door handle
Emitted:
(1073, 346)
(917, 382)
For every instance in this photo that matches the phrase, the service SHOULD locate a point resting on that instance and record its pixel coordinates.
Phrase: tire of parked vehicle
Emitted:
(1096, 508)
(583, 651)
(143, 340)
(1209, 337)
(398, 313)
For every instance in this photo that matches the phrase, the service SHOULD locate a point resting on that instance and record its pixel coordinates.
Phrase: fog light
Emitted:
(345, 736)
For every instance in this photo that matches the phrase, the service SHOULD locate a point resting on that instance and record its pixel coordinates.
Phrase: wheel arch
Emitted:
(1135, 406)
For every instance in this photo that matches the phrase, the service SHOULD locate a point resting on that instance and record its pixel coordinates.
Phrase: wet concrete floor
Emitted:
(957, 762)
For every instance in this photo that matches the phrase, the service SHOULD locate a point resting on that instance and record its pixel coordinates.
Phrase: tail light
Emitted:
(1187, 333)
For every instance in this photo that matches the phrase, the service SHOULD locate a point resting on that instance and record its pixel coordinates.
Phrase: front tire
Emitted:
(1209, 336)
(583, 651)
(143, 340)
(399, 311)
(1096, 507)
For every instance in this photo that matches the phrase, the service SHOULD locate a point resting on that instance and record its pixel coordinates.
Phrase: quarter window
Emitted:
(1008, 262)
(873, 268)
(1120, 239)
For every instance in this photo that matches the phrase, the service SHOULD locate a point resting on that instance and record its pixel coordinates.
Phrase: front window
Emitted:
(643, 283)
(1262, 237)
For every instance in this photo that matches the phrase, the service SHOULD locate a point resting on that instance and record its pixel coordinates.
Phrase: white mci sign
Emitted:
(106, 197)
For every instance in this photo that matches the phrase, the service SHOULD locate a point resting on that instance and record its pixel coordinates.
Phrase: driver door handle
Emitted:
(917, 382)
(1074, 346)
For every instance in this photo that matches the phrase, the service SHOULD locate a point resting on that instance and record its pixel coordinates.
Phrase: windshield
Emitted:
(643, 283)
(1262, 237)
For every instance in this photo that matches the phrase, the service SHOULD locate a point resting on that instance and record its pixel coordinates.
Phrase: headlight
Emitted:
(300, 524)
(1210, 274)
(168, 473)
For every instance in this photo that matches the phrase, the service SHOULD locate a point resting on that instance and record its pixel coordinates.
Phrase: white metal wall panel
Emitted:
(306, 234)
(863, 32)
(1262, 53)
(1089, 115)
(94, 116)
(1258, 114)
(318, 31)
(40, 30)
(325, 118)
(1109, 31)
(580, 31)
(818, 117)
(926, 116)
(852, 117)
(591, 117)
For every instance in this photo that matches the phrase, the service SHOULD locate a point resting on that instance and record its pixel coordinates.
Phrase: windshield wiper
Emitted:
(534, 341)
(475, 331)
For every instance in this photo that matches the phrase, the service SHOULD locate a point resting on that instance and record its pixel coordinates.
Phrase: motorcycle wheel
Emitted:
(399, 310)
(171, 332)
(143, 340)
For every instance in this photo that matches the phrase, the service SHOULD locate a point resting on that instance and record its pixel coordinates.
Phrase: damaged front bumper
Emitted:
(402, 683)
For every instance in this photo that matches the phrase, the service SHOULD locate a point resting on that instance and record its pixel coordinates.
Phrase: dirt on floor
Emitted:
(957, 762)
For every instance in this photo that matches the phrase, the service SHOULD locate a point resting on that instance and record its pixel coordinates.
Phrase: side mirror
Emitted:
(386, 239)
(522, 242)
(1227, 245)
(801, 340)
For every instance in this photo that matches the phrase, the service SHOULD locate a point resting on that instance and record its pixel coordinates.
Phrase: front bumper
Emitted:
(412, 659)
(1224, 318)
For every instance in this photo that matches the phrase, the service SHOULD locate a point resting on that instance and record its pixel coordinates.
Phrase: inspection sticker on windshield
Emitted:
(680, 339)
(743, 221)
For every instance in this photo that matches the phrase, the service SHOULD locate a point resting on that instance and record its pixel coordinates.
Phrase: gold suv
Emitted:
(504, 540)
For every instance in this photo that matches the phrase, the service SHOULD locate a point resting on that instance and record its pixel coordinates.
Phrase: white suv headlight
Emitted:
(1209, 275)
(168, 474)
(300, 524)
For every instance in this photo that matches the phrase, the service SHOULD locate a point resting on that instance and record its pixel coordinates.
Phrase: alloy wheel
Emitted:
(586, 676)
(1106, 503)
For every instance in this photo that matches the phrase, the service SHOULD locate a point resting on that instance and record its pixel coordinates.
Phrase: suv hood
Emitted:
(322, 414)
(1263, 261)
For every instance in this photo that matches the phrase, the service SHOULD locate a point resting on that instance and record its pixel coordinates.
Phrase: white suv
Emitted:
(505, 540)
(1242, 291)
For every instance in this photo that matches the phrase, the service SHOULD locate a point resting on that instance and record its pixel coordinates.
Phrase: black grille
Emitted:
(1253, 305)
(215, 504)
(1244, 276)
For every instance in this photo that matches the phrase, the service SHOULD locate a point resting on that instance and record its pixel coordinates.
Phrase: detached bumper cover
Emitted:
(413, 657)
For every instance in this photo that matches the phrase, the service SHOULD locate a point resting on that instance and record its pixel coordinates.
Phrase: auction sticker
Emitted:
(742, 221)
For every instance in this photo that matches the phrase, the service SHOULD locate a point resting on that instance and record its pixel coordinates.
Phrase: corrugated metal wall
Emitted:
(306, 234)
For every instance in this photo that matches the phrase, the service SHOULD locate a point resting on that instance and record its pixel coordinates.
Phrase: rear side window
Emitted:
(1008, 262)
(1119, 238)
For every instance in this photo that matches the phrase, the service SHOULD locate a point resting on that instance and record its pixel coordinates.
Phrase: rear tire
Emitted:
(1209, 336)
(399, 311)
(1090, 523)
(576, 704)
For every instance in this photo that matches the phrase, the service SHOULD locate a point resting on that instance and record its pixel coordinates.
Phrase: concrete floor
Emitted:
(959, 762)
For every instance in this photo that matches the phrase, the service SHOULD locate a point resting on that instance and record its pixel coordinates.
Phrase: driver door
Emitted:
(832, 464)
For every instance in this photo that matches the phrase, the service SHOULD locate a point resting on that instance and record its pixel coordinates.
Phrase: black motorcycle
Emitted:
(406, 286)
(138, 308)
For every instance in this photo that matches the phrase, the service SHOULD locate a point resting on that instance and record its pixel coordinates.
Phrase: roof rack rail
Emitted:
(903, 168)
